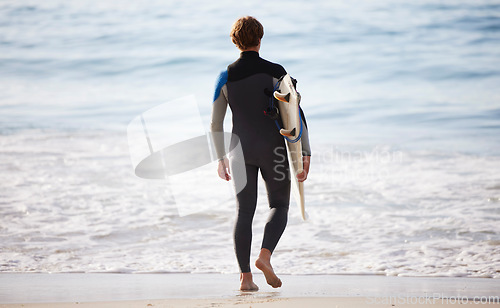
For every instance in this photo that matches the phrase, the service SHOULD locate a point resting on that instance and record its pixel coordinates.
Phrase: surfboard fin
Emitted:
(282, 97)
(288, 132)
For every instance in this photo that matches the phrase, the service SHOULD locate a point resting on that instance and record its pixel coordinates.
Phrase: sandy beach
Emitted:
(253, 302)
(220, 290)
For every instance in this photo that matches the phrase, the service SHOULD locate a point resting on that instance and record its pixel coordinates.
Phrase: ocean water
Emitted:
(403, 106)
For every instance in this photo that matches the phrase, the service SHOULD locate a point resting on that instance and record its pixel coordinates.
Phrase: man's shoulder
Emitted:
(277, 69)
(240, 69)
(219, 84)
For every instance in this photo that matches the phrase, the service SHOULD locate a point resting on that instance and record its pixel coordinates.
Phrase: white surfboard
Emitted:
(288, 105)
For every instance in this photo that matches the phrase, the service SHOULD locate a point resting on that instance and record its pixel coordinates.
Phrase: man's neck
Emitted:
(251, 49)
(254, 48)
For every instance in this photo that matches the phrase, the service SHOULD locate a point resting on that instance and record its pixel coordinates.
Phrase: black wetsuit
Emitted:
(246, 86)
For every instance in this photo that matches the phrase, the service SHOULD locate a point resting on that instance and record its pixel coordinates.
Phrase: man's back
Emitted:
(250, 82)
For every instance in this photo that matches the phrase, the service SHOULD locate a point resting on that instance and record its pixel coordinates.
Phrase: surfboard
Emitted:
(288, 106)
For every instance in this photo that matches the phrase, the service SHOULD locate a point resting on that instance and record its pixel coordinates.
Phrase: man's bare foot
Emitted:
(264, 264)
(247, 284)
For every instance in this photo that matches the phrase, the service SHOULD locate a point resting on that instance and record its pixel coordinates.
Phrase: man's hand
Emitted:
(306, 161)
(223, 169)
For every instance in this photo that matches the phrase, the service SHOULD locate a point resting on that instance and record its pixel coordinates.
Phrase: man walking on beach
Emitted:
(246, 87)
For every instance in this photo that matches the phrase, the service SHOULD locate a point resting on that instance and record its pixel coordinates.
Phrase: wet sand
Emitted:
(220, 290)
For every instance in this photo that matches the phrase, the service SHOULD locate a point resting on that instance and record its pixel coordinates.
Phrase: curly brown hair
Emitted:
(246, 32)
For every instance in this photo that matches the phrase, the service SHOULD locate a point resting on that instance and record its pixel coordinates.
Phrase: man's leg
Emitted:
(278, 193)
(246, 204)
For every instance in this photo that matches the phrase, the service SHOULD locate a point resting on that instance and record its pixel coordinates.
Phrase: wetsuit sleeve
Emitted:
(219, 108)
(306, 147)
